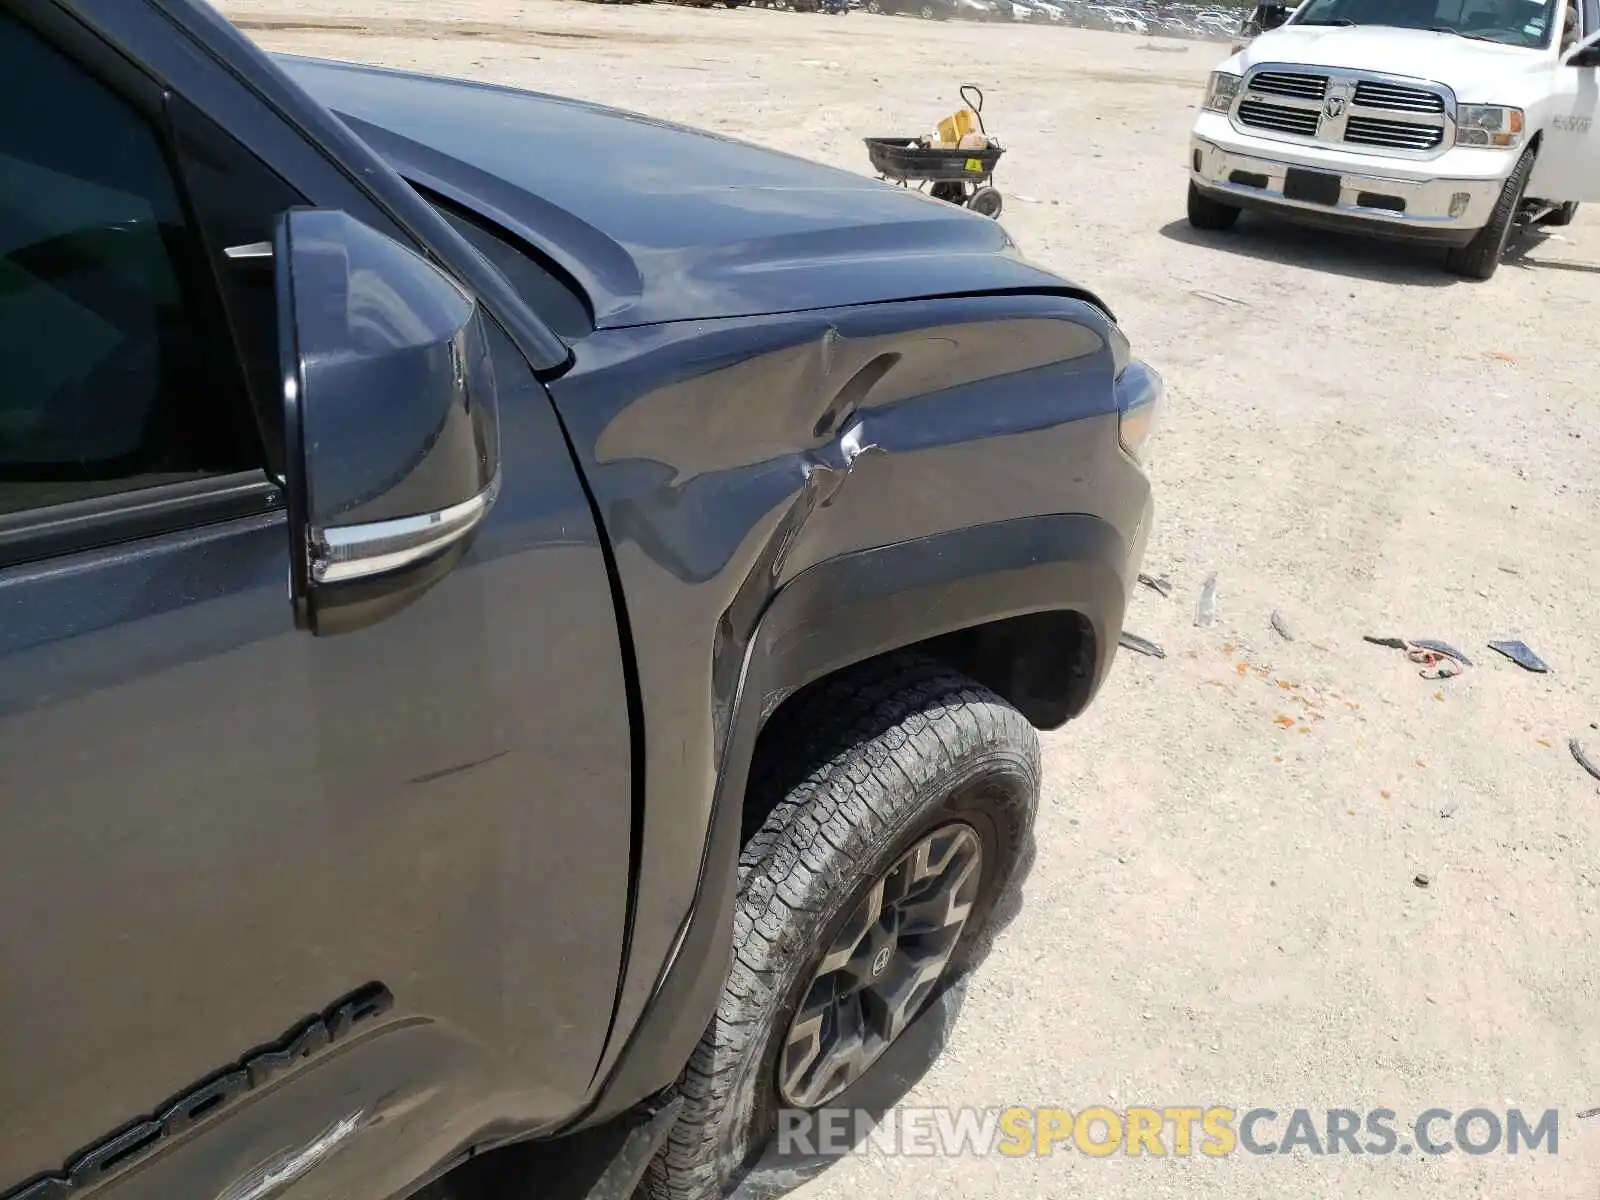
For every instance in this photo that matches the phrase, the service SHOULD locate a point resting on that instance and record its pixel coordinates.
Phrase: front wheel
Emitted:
(1206, 213)
(892, 807)
(1480, 258)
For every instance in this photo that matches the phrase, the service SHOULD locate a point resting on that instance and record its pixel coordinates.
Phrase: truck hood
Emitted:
(1476, 71)
(659, 222)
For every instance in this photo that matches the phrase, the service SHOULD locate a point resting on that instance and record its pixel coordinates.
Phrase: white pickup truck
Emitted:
(1431, 120)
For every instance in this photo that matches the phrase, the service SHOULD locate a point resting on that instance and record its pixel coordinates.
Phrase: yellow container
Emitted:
(956, 126)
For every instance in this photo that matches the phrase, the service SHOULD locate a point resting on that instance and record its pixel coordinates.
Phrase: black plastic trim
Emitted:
(843, 611)
(1376, 227)
(37, 533)
(604, 1162)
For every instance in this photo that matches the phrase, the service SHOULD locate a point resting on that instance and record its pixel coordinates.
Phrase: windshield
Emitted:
(1510, 22)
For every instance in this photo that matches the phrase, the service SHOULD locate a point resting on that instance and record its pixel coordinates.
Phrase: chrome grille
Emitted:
(1290, 83)
(1338, 107)
(1399, 135)
(1280, 119)
(1371, 94)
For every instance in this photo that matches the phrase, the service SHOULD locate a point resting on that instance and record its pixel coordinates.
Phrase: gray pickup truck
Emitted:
(523, 625)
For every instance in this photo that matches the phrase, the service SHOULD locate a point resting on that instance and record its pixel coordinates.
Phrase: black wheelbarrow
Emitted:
(964, 177)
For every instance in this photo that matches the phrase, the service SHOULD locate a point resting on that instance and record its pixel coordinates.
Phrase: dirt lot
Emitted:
(1224, 910)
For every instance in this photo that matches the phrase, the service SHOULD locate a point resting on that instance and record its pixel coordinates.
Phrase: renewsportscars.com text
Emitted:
(1177, 1131)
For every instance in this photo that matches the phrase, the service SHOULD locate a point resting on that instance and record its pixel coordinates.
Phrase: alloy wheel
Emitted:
(882, 967)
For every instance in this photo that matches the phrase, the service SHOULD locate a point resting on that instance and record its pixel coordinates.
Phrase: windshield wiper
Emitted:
(1342, 22)
(1471, 37)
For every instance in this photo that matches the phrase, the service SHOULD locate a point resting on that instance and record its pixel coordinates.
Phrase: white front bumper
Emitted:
(1454, 192)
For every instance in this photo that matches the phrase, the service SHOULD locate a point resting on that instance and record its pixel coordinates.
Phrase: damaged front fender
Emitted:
(729, 458)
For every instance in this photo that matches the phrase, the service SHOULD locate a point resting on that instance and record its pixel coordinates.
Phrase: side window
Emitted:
(116, 375)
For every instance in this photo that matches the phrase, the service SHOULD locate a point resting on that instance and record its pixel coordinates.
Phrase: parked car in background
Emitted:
(1125, 20)
(1012, 10)
(1447, 125)
(1216, 29)
(1115, 19)
(933, 10)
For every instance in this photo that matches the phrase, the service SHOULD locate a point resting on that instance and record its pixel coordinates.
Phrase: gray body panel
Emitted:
(818, 419)
(657, 222)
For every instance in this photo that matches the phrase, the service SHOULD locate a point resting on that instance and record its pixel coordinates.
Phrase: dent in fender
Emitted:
(728, 458)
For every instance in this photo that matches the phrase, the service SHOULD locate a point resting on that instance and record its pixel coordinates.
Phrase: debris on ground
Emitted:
(1451, 807)
(1438, 660)
(1583, 759)
(1589, 1112)
(1434, 663)
(1219, 298)
(1522, 655)
(1444, 648)
(1161, 585)
(1140, 645)
(1421, 880)
(1281, 624)
(1205, 612)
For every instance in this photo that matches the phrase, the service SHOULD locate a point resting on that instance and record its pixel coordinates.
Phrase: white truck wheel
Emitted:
(1480, 258)
(1206, 213)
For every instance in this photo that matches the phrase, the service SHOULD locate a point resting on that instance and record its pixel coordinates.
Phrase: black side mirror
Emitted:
(1270, 16)
(1587, 54)
(390, 422)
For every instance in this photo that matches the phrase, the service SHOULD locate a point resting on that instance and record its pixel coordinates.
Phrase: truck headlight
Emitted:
(1221, 90)
(1138, 392)
(1489, 125)
(1138, 402)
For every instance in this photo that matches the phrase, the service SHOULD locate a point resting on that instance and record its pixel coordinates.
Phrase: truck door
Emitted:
(1568, 167)
(214, 826)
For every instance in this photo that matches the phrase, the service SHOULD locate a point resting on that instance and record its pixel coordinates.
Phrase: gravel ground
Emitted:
(1224, 909)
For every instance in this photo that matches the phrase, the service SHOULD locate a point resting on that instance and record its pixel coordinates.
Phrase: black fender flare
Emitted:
(842, 611)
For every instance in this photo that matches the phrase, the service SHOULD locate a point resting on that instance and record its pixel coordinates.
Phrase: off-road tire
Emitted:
(1480, 258)
(1206, 213)
(847, 778)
